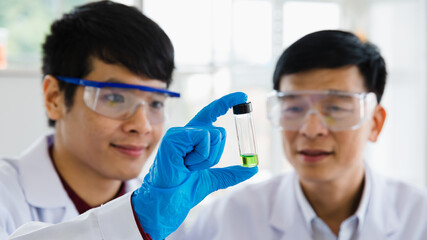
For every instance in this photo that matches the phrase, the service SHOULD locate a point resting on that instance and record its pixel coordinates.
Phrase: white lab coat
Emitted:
(30, 190)
(269, 210)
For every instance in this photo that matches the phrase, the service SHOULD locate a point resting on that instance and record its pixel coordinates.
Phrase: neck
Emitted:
(90, 186)
(335, 200)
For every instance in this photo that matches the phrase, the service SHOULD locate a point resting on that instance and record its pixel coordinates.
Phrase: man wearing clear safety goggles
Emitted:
(336, 110)
(120, 100)
(326, 107)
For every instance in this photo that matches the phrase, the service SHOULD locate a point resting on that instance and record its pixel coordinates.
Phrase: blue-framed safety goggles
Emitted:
(83, 82)
(120, 100)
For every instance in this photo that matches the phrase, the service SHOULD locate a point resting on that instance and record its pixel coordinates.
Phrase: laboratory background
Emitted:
(223, 46)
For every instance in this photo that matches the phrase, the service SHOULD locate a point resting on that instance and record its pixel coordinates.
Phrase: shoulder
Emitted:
(254, 199)
(399, 191)
(233, 215)
(398, 207)
(264, 189)
(12, 198)
(9, 176)
(408, 201)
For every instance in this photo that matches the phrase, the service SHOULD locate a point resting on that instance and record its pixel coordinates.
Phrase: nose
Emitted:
(138, 122)
(313, 126)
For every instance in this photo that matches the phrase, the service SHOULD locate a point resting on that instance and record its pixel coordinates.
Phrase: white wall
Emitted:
(399, 29)
(22, 116)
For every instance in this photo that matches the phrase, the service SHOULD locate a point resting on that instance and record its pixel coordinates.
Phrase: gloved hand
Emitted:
(181, 175)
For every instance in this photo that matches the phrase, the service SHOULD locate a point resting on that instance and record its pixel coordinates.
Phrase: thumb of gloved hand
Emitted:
(221, 178)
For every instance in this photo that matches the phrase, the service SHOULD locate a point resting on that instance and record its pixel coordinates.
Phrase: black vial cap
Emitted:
(242, 108)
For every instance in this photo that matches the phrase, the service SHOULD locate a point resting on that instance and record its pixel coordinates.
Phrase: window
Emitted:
(23, 26)
(301, 18)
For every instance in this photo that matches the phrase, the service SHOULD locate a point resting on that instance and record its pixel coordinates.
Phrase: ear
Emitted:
(378, 118)
(53, 98)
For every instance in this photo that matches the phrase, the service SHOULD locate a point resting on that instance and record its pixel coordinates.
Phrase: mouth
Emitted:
(312, 156)
(129, 150)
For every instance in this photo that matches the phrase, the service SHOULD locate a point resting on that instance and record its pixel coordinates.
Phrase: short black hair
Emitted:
(112, 32)
(334, 49)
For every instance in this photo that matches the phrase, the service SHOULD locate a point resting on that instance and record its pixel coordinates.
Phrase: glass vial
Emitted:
(245, 134)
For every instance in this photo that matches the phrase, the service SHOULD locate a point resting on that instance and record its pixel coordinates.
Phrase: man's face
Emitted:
(109, 148)
(318, 154)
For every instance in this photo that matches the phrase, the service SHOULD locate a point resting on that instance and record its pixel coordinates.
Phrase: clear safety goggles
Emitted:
(120, 100)
(337, 110)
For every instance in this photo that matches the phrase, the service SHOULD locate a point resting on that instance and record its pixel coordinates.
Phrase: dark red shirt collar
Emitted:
(83, 206)
(78, 202)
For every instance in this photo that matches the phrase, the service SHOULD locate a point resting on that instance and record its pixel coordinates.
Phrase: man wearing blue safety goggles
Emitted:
(106, 71)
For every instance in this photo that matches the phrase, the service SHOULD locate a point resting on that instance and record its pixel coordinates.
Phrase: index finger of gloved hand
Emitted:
(217, 108)
(195, 161)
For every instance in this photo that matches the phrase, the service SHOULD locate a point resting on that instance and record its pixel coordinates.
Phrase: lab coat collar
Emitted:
(380, 219)
(362, 209)
(286, 216)
(360, 214)
(282, 210)
(40, 180)
(306, 209)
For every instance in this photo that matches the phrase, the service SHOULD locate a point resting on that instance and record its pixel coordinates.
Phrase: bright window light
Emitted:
(189, 25)
(252, 31)
(126, 2)
(301, 18)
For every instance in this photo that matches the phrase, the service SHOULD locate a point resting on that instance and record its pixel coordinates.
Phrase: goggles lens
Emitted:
(120, 101)
(338, 111)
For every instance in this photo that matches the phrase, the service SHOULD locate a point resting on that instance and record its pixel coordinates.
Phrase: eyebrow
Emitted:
(291, 96)
(116, 80)
(113, 80)
(336, 90)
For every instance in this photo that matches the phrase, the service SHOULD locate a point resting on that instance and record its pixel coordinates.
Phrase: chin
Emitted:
(127, 176)
(129, 173)
(313, 175)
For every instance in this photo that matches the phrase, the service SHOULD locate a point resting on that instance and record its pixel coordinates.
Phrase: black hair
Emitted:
(334, 49)
(112, 32)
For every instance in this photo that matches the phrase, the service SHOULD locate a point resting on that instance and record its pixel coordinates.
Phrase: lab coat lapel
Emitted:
(133, 184)
(381, 219)
(40, 181)
(380, 224)
(286, 217)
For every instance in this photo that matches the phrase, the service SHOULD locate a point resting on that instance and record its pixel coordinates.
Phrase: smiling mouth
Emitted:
(129, 150)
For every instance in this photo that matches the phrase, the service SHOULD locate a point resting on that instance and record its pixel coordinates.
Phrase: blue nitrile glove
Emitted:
(180, 176)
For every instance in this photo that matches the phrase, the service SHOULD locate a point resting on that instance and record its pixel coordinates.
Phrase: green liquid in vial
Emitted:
(249, 160)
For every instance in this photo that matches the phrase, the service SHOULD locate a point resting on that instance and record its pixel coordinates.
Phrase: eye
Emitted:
(114, 98)
(333, 108)
(338, 108)
(294, 109)
(158, 105)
